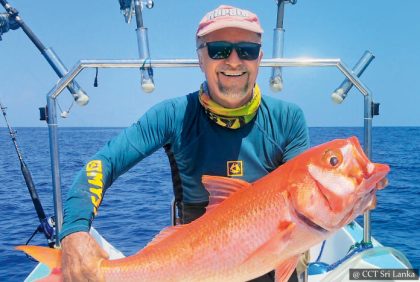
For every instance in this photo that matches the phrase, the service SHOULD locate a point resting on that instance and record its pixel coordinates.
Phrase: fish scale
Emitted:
(226, 243)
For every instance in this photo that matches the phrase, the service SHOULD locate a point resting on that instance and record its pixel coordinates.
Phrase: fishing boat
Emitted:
(351, 248)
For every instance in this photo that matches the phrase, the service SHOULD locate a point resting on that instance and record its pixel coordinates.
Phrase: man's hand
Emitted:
(81, 258)
(380, 185)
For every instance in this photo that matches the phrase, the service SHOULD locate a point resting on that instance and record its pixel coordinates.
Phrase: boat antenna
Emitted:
(12, 20)
(46, 223)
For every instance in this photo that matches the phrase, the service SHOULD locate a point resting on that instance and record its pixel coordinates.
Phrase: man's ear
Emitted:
(200, 60)
(261, 56)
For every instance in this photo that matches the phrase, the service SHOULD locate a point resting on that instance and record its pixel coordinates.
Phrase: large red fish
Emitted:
(251, 229)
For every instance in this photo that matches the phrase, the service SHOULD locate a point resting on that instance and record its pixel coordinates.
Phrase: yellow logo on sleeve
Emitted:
(95, 179)
(235, 168)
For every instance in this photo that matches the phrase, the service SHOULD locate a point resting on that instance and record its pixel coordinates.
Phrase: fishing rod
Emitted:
(12, 20)
(46, 223)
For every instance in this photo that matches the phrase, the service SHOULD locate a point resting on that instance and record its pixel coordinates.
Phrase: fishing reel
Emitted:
(46, 227)
(6, 23)
(127, 7)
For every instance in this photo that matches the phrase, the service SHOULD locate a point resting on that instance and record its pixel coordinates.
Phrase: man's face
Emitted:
(230, 80)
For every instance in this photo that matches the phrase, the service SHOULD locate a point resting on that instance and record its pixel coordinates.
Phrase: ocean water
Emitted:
(137, 206)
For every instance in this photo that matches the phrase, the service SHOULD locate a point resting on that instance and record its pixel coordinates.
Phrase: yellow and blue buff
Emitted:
(230, 118)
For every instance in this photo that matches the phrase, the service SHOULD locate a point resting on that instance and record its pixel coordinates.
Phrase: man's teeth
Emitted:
(233, 73)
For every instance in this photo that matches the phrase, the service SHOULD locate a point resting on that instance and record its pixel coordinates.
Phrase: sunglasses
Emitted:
(219, 50)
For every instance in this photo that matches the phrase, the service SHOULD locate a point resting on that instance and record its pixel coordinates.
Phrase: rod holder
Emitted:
(147, 83)
(78, 93)
(276, 79)
(55, 165)
(341, 92)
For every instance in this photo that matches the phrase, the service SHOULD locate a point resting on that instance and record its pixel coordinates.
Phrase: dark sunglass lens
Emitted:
(248, 50)
(219, 50)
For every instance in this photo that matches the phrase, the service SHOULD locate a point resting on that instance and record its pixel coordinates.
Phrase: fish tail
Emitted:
(48, 256)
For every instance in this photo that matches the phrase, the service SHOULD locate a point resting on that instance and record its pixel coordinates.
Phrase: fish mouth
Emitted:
(306, 220)
(310, 223)
(372, 172)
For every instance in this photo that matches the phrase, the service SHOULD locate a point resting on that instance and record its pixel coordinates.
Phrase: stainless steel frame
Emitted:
(180, 63)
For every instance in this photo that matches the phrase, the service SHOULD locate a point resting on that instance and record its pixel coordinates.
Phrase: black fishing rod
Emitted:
(11, 20)
(46, 223)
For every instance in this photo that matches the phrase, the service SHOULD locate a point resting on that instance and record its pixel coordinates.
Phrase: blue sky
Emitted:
(96, 29)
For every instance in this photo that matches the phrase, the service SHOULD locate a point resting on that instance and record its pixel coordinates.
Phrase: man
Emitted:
(226, 128)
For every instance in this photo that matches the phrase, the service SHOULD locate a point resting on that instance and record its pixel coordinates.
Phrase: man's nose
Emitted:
(233, 60)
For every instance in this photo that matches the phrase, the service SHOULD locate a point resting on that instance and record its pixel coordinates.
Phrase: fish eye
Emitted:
(334, 161)
(333, 157)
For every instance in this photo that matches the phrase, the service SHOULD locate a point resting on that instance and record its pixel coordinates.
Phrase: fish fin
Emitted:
(164, 233)
(48, 256)
(221, 188)
(285, 269)
(277, 244)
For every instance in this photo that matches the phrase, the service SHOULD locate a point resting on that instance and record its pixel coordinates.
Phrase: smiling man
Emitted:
(227, 128)
(230, 58)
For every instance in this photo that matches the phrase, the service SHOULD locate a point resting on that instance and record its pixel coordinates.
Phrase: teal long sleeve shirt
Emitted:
(198, 146)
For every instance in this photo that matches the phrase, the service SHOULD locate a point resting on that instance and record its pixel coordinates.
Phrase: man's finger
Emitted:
(81, 258)
(102, 253)
(373, 203)
(382, 184)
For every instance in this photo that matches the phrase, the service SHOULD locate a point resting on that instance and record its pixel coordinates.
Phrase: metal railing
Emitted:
(182, 63)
